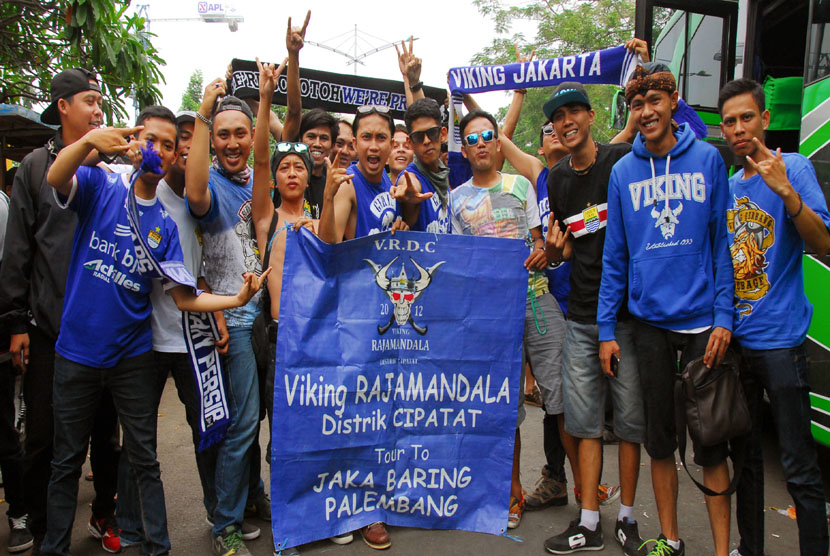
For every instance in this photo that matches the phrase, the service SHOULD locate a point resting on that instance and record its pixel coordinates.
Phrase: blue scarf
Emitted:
(200, 329)
(611, 66)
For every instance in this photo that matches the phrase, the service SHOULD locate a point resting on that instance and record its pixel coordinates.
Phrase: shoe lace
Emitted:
(19, 522)
(234, 541)
(661, 547)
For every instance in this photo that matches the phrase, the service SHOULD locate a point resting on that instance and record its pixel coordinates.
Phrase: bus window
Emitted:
(703, 67)
(819, 56)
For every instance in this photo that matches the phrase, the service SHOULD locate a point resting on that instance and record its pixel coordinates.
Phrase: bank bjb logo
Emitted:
(403, 291)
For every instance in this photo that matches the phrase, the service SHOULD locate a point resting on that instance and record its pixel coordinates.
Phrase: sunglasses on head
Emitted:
(432, 133)
(547, 129)
(298, 148)
(472, 138)
(372, 108)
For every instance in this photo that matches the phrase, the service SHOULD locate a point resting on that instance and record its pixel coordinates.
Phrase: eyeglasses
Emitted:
(372, 108)
(298, 148)
(432, 133)
(547, 129)
(486, 136)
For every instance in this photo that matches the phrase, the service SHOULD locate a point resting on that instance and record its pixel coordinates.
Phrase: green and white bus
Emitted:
(784, 44)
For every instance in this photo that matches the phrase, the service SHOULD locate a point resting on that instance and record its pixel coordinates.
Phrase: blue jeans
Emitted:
(233, 457)
(783, 374)
(76, 395)
(129, 517)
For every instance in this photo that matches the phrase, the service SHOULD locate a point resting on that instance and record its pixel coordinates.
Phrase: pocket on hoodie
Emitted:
(670, 287)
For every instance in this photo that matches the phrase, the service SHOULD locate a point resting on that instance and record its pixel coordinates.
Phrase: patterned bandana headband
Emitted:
(200, 329)
(648, 76)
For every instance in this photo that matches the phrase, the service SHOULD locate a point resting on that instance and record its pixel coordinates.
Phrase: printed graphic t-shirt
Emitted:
(508, 209)
(582, 202)
(228, 247)
(771, 309)
(104, 271)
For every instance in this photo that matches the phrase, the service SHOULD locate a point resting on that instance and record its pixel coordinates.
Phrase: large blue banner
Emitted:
(396, 387)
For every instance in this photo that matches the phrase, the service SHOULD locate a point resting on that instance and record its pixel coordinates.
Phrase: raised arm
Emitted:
(337, 202)
(198, 168)
(511, 119)
(410, 67)
(526, 164)
(108, 140)
(294, 41)
(262, 207)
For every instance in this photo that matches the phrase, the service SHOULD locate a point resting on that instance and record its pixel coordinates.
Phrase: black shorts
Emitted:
(659, 371)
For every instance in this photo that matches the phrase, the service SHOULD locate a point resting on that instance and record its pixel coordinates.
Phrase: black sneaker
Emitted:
(20, 538)
(628, 536)
(575, 539)
(260, 507)
(661, 547)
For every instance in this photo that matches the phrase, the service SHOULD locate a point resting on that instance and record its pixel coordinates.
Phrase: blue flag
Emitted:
(397, 381)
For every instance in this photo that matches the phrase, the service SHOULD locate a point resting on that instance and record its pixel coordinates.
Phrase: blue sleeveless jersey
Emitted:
(559, 275)
(433, 216)
(376, 209)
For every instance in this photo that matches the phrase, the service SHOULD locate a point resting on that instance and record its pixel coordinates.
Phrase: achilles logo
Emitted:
(577, 540)
(402, 291)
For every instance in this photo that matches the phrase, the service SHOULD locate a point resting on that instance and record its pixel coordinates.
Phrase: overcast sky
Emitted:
(190, 45)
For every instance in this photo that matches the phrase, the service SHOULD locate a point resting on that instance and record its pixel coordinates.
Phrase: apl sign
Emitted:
(211, 8)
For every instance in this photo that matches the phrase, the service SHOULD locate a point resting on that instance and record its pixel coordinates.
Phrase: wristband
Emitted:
(416, 87)
(199, 115)
(800, 207)
(520, 91)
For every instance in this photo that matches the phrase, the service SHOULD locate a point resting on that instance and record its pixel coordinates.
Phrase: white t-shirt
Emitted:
(166, 319)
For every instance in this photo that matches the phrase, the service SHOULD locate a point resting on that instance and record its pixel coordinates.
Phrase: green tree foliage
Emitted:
(39, 39)
(192, 97)
(563, 27)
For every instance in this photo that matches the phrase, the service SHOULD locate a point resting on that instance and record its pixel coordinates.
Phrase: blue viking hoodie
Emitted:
(666, 239)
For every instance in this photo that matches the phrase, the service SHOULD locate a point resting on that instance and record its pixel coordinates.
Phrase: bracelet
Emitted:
(800, 207)
(520, 91)
(416, 87)
(199, 115)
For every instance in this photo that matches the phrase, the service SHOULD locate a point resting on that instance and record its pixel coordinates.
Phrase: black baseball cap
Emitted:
(566, 93)
(64, 85)
(231, 102)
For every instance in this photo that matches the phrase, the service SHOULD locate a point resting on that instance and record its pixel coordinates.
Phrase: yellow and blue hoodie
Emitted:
(666, 242)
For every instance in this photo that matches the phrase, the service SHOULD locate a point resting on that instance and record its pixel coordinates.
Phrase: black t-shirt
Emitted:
(314, 194)
(582, 201)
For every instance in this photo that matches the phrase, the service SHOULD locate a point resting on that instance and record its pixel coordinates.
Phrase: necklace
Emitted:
(584, 171)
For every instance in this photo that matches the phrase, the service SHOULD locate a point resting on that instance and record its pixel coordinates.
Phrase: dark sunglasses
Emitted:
(418, 136)
(547, 129)
(472, 138)
(298, 148)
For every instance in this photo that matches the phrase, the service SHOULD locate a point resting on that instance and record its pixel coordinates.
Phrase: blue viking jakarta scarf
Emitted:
(611, 66)
(200, 329)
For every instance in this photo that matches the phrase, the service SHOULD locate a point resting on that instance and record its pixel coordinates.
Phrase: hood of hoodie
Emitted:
(685, 139)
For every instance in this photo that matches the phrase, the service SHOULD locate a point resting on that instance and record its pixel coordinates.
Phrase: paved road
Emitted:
(190, 534)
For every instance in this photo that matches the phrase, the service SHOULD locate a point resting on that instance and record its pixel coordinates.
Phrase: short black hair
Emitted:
(422, 108)
(739, 87)
(472, 115)
(156, 111)
(385, 115)
(317, 117)
(401, 127)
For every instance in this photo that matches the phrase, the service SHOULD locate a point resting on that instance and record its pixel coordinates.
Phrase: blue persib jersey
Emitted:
(559, 275)
(433, 217)
(105, 275)
(376, 209)
(771, 309)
